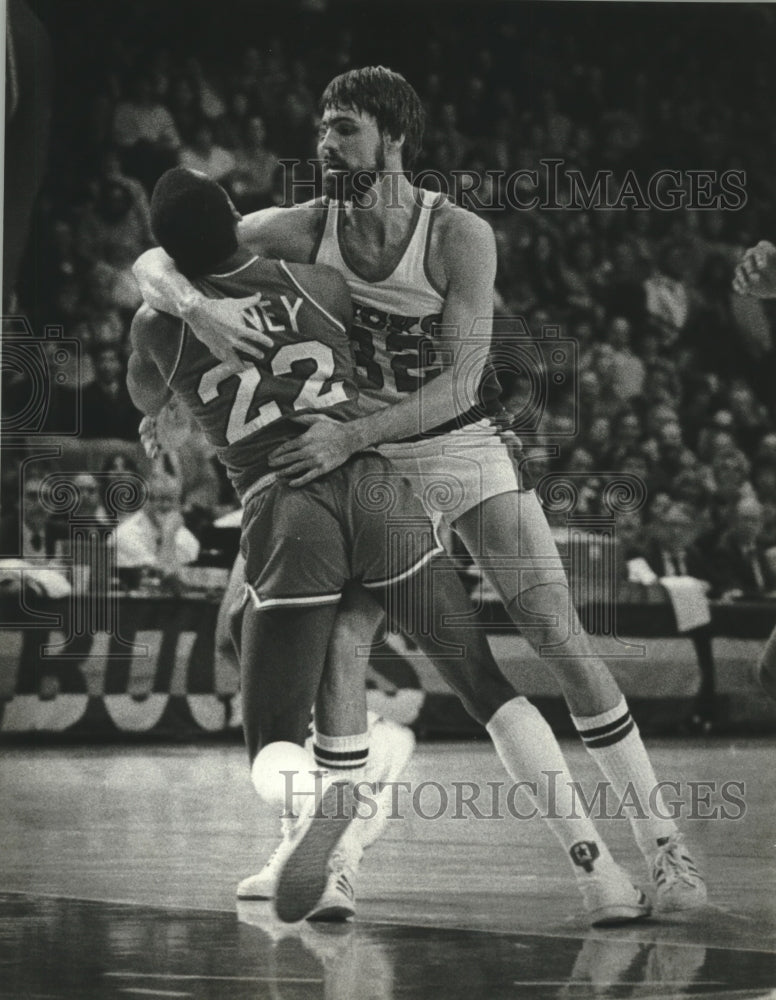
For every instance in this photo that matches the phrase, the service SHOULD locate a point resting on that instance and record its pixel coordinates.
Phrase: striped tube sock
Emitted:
(342, 756)
(530, 752)
(613, 740)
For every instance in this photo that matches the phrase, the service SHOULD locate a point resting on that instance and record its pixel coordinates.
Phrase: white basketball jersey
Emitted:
(393, 318)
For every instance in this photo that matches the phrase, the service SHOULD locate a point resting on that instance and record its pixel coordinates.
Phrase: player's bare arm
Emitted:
(756, 274)
(284, 233)
(468, 253)
(147, 388)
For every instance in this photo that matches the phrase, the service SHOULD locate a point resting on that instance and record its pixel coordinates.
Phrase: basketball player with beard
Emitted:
(421, 273)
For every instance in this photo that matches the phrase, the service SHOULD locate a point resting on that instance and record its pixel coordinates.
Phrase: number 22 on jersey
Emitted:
(311, 395)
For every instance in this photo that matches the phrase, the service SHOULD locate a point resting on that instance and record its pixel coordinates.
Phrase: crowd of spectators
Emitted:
(672, 376)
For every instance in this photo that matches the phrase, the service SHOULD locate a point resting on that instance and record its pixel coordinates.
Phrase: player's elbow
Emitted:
(152, 263)
(145, 262)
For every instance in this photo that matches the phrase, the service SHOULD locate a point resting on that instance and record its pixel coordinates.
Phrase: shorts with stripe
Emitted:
(360, 522)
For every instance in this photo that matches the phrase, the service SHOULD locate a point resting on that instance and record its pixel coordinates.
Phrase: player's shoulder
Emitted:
(290, 232)
(326, 285)
(462, 238)
(453, 221)
(322, 275)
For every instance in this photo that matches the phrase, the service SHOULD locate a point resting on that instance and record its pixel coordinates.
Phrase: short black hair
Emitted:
(193, 221)
(388, 98)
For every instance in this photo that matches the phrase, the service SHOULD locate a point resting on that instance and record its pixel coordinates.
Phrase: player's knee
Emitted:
(483, 705)
(481, 693)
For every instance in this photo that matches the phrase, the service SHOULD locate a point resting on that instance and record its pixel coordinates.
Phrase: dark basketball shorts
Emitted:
(360, 522)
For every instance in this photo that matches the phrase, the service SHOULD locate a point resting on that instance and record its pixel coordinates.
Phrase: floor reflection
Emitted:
(59, 948)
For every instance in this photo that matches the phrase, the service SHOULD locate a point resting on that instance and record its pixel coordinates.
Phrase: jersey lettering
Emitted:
(405, 356)
(312, 396)
(238, 426)
(260, 317)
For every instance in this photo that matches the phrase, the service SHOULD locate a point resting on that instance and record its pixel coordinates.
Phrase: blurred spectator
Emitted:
(700, 396)
(545, 272)
(624, 438)
(624, 293)
(28, 531)
(766, 449)
(628, 369)
(656, 417)
(89, 498)
(114, 230)
(745, 563)
(602, 363)
(145, 132)
(670, 457)
(113, 468)
(582, 274)
(445, 143)
(667, 295)
(100, 322)
(203, 155)
(690, 487)
(749, 415)
(598, 438)
(730, 483)
(475, 109)
(186, 109)
(208, 97)
(671, 546)
(256, 168)
(294, 134)
(153, 544)
(231, 127)
(107, 409)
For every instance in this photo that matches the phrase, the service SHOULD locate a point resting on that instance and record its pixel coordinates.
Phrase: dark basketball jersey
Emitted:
(246, 413)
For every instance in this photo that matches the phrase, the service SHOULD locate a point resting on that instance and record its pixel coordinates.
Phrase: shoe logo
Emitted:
(584, 854)
(344, 886)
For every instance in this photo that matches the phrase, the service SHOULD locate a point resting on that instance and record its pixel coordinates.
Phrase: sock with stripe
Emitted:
(342, 756)
(530, 752)
(613, 740)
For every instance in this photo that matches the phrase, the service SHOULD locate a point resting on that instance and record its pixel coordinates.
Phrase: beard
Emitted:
(345, 184)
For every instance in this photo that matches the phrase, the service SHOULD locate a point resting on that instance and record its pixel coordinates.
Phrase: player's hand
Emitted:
(756, 274)
(149, 437)
(225, 326)
(173, 425)
(325, 446)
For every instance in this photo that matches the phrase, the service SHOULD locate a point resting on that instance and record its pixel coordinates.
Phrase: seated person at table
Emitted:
(743, 561)
(153, 544)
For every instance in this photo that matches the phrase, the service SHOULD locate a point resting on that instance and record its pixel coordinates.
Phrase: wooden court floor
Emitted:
(118, 867)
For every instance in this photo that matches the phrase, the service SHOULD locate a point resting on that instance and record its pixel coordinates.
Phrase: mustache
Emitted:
(333, 164)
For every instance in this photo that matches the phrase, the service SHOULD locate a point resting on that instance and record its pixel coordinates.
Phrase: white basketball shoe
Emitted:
(391, 747)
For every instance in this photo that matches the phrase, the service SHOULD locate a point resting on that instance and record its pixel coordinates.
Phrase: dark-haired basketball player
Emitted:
(421, 274)
(300, 546)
